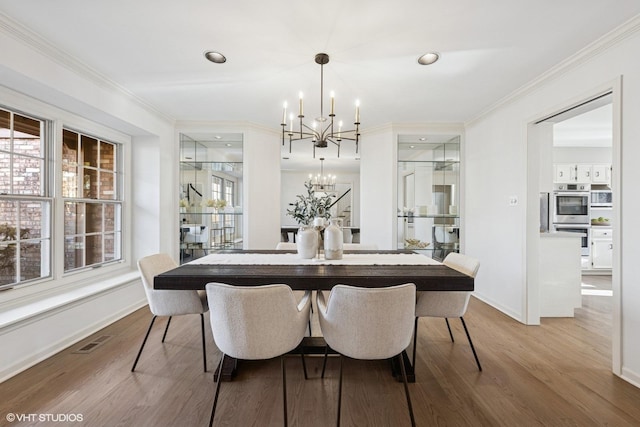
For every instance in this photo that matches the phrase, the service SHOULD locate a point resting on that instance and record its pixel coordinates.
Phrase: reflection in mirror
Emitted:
(299, 165)
(210, 191)
(428, 196)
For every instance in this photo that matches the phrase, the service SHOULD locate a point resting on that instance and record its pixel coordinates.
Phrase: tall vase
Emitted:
(307, 242)
(333, 240)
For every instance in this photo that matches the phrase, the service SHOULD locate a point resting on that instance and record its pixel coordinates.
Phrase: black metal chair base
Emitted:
(219, 378)
(164, 335)
(464, 325)
(400, 360)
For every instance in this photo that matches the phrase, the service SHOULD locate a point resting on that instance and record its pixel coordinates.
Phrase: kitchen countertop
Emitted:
(560, 235)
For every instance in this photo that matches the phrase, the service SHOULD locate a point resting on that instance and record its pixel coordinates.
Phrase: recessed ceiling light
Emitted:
(214, 56)
(423, 139)
(217, 137)
(412, 146)
(428, 58)
(228, 145)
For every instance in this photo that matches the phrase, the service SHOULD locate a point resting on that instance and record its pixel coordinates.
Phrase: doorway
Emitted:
(554, 139)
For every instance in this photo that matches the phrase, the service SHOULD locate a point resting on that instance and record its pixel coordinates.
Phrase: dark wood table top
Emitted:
(316, 276)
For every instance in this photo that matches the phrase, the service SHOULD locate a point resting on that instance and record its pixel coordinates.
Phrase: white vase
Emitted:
(333, 240)
(307, 242)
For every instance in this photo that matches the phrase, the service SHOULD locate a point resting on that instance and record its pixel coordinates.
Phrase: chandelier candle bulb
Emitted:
(301, 109)
(284, 113)
(291, 125)
(333, 100)
(357, 112)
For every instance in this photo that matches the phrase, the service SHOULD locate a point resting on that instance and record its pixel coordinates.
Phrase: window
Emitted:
(216, 187)
(25, 205)
(228, 192)
(92, 202)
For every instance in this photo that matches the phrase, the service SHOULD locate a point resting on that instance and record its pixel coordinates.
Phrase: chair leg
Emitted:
(406, 388)
(284, 389)
(340, 392)
(415, 342)
(166, 329)
(324, 362)
(153, 319)
(304, 364)
(215, 396)
(204, 345)
(449, 328)
(471, 344)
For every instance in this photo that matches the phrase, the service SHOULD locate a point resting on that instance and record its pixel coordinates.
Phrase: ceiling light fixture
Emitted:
(319, 133)
(428, 58)
(323, 183)
(214, 56)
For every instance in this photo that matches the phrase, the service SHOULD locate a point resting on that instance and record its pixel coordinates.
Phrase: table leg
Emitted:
(397, 373)
(229, 369)
(316, 345)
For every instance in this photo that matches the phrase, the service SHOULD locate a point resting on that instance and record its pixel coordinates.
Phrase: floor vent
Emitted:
(89, 347)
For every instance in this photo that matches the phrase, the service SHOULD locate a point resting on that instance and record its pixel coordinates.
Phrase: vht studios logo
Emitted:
(52, 418)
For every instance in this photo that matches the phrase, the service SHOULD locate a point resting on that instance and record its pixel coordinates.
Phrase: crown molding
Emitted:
(30, 38)
(587, 53)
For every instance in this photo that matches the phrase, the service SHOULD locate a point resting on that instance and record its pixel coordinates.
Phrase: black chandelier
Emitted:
(320, 132)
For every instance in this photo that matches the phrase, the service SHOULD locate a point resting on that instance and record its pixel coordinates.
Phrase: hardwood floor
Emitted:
(557, 374)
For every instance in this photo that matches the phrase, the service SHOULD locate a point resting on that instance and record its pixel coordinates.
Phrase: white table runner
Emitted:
(293, 259)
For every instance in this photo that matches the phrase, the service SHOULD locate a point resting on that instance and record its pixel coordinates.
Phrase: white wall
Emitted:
(496, 164)
(589, 155)
(39, 320)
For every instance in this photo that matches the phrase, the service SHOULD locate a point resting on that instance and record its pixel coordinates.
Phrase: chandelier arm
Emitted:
(283, 126)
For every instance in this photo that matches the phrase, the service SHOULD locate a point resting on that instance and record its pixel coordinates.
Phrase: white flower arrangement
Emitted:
(214, 203)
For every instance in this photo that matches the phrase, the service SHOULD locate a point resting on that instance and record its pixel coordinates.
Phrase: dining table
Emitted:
(365, 268)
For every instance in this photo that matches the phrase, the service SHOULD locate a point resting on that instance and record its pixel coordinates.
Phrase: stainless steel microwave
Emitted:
(601, 198)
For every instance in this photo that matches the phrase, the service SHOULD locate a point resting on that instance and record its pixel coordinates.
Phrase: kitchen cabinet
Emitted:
(559, 274)
(601, 174)
(601, 248)
(428, 196)
(582, 173)
(564, 173)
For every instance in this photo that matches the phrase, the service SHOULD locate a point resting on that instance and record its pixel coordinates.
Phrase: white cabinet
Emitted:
(582, 173)
(601, 248)
(601, 174)
(559, 274)
(564, 173)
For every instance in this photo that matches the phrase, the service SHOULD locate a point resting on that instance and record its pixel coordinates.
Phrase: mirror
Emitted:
(297, 166)
(428, 200)
(210, 189)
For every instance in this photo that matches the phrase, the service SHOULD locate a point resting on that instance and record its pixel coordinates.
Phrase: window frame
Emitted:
(44, 197)
(58, 281)
(81, 199)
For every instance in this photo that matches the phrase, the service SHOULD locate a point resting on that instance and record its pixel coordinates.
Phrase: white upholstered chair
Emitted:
(368, 324)
(345, 246)
(448, 304)
(359, 246)
(286, 246)
(169, 302)
(256, 323)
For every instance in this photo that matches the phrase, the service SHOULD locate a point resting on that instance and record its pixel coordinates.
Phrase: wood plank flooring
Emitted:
(557, 374)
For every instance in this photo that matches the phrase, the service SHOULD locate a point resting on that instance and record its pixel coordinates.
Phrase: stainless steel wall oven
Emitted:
(571, 203)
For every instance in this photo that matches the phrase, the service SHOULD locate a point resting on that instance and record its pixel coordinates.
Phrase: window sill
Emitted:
(23, 312)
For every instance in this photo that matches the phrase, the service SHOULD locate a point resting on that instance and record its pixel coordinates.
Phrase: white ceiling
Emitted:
(154, 49)
(590, 129)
